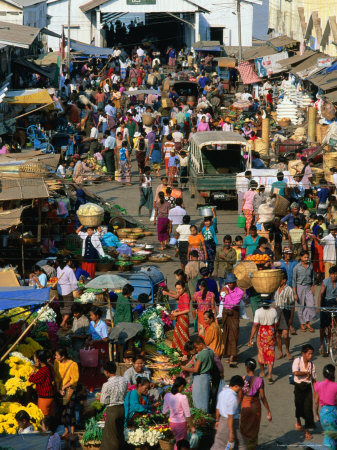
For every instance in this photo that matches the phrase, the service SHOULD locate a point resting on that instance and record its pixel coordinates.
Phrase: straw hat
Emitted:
(247, 120)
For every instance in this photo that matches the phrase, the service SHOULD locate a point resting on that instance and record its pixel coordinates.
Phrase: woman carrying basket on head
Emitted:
(91, 249)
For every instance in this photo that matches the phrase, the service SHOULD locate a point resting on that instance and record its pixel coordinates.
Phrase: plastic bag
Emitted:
(241, 223)
(243, 313)
(152, 215)
(173, 241)
(89, 357)
(194, 440)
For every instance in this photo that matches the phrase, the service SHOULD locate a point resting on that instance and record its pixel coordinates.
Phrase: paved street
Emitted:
(280, 432)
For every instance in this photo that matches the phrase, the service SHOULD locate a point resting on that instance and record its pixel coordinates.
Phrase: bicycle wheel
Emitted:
(333, 344)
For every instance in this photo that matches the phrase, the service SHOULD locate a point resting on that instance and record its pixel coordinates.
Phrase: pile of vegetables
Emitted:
(202, 419)
(93, 433)
(90, 209)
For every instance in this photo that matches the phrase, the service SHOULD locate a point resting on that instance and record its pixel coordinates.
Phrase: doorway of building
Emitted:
(217, 34)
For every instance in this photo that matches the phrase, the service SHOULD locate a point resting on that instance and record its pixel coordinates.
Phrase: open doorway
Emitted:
(217, 34)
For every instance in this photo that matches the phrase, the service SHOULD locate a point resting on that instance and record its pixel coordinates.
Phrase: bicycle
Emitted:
(330, 338)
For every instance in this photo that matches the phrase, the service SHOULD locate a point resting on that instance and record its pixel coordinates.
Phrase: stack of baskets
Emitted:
(130, 233)
(243, 272)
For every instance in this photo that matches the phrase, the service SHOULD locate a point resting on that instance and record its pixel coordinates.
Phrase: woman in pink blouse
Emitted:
(247, 204)
(176, 404)
(231, 296)
(203, 125)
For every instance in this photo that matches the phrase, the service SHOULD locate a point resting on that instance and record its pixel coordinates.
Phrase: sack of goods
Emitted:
(90, 215)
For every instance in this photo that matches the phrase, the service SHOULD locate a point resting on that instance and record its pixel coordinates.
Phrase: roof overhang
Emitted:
(180, 6)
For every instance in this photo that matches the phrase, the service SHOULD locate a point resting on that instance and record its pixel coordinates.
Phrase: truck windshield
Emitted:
(222, 158)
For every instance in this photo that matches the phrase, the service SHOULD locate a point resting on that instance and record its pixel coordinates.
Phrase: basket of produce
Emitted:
(267, 281)
(284, 122)
(137, 259)
(148, 120)
(105, 265)
(136, 230)
(136, 235)
(102, 297)
(243, 272)
(124, 266)
(160, 258)
(258, 259)
(90, 215)
(52, 282)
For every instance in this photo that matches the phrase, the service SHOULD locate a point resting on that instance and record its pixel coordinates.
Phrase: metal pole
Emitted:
(68, 62)
(238, 12)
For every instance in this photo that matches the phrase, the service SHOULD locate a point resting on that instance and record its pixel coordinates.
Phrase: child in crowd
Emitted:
(49, 425)
(240, 252)
(24, 421)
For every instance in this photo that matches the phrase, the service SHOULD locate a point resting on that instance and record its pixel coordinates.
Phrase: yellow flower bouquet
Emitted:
(8, 424)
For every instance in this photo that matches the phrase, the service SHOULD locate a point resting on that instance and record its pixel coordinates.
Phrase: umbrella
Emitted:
(107, 281)
(124, 331)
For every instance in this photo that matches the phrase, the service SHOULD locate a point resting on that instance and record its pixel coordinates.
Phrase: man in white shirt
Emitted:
(227, 417)
(242, 186)
(140, 53)
(176, 215)
(61, 170)
(329, 249)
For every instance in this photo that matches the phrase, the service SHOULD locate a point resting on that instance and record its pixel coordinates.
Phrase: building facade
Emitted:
(312, 22)
(188, 21)
(32, 13)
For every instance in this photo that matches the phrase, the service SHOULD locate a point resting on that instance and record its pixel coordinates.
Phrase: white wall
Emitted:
(221, 14)
(81, 29)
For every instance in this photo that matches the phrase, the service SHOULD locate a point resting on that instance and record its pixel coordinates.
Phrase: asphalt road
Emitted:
(280, 433)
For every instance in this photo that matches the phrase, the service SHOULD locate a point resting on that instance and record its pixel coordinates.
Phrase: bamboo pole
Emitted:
(312, 123)
(265, 133)
(25, 331)
(109, 343)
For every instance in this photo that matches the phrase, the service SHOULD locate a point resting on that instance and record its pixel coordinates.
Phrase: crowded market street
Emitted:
(168, 239)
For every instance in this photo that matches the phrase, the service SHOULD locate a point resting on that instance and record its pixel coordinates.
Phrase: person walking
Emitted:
(303, 286)
(225, 259)
(284, 302)
(112, 396)
(209, 231)
(203, 365)
(325, 394)
(176, 404)
(146, 193)
(231, 296)
(327, 298)
(66, 285)
(287, 264)
(329, 249)
(124, 171)
(162, 209)
(180, 315)
(242, 186)
(91, 248)
(247, 204)
(213, 335)
(227, 425)
(253, 394)
(265, 323)
(304, 373)
(203, 301)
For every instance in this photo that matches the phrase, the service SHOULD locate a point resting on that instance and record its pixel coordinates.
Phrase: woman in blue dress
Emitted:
(136, 402)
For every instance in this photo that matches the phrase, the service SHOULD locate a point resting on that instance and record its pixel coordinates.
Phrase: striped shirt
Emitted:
(44, 380)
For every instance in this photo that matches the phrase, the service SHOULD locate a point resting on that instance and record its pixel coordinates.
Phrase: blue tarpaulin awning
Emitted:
(90, 49)
(22, 296)
(215, 48)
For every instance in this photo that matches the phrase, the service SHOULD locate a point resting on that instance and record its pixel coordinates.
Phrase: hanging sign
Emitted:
(140, 2)
(324, 62)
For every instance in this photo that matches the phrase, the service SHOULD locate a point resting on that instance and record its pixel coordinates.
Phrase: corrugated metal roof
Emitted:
(296, 59)
(258, 52)
(219, 137)
(332, 96)
(10, 218)
(22, 188)
(282, 41)
(308, 64)
(325, 81)
(17, 35)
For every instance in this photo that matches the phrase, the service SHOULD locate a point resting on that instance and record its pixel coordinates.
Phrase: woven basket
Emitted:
(281, 206)
(33, 170)
(267, 281)
(285, 122)
(243, 271)
(104, 267)
(29, 242)
(91, 221)
(147, 233)
(160, 259)
(147, 120)
(102, 297)
(166, 445)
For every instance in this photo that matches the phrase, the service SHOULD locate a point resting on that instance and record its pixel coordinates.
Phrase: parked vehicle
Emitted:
(215, 157)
